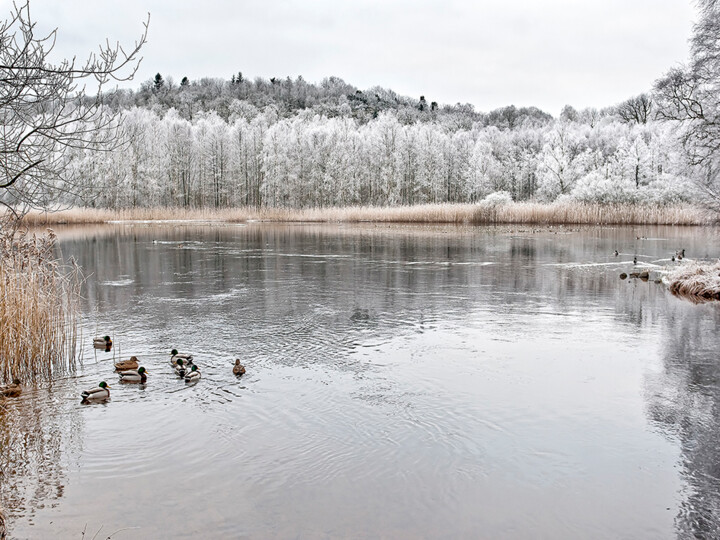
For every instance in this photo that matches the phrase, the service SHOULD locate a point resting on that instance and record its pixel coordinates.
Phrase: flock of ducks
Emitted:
(679, 255)
(130, 371)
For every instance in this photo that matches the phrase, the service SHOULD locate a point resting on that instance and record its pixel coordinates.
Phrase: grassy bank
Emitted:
(697, 282)
(38, 311)
(520, 213)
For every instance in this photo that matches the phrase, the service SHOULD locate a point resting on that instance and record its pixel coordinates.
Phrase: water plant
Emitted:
(39, 306)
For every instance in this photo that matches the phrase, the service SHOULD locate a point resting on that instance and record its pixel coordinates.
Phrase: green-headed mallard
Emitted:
(102, 343)
(134, 375)
(238, 368)
(181, 368)
(193, 375)
(127, 365)
(11, 390)
(102, 391)
(175, 356)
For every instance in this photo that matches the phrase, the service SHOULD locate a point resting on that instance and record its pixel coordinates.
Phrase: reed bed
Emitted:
(39, 307)
(696, 281)
(482, 213)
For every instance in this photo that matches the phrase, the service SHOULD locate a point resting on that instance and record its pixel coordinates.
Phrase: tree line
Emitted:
(261, 157)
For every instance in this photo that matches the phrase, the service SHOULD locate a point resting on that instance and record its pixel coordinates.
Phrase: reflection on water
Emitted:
(402, 382)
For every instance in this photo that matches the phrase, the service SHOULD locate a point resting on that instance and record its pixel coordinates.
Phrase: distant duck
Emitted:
(682, 252)
(193, 375)
(238, 368)
(673, 258)
(634, 260)
(616, 253)
(175, 356)
(103, 343)
(134, 375)
(102, 391)
(127, 365)
(11, 390)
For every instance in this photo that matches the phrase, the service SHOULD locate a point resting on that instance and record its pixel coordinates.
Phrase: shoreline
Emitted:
(523, 213)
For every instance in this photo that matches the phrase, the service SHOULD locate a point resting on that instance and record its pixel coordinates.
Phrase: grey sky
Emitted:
(489, 53)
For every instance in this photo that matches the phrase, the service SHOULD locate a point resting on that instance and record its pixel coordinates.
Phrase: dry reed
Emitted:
(514, 213)
(696, 281)
(39, 304)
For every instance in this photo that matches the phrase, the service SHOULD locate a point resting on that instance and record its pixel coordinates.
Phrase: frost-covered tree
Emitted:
(688, 96)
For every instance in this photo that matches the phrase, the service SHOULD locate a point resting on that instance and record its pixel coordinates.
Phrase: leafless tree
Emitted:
(690, 95)
(636, 109)
(46, 110)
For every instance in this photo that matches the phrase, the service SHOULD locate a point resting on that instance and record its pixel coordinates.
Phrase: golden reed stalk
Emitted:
(39, 306)
(520, 213)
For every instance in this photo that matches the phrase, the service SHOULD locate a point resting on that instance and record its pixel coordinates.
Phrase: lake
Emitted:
(402, 382)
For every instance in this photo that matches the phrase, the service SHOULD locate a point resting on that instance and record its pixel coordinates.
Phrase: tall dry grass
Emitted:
(519, 213)
(696, 281)
(39, 307)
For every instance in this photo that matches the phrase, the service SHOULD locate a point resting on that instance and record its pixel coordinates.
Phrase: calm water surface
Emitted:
(402, 382)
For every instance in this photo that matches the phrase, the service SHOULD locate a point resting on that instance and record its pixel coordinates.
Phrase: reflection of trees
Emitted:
(685, 402)
(282, 284)
(34, 442)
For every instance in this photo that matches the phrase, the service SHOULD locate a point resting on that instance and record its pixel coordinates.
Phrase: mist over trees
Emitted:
(288, 143)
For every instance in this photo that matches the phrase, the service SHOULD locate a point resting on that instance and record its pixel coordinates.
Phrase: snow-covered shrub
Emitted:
(499, 198)
(595, 187)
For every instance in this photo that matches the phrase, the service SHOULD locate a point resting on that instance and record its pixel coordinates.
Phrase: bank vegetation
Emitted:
(496, 209)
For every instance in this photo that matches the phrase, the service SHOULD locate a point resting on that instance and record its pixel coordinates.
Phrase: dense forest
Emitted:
(289, 143)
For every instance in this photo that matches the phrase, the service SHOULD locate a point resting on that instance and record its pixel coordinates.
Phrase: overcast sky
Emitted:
(490, 53)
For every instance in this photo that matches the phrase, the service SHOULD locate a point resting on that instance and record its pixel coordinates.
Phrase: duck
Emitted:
(11, 390)
(127, 365)
(175, 356)
(102, 342)
(102, 391)
(238, 368)
(181, 368)
(193, 375)
(616, 253)
(634, 260)
(134, 375)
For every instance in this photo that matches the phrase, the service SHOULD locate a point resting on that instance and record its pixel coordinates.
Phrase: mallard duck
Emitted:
(127, 365)
(175, 356)
(11, 390)
(193, 375)
(102, 342)
(181, 368)
(134, 375)
(238, 368)
(95, 394)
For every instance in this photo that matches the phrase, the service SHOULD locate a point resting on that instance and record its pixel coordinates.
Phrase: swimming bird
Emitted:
(11, 390)
(672, 258)
(127, 365)
(181, 368)
(134, 375)
(616, 253)
(175, 356)
(634, 260)
(238, 368)
(103, 343)
(96, 394)
(193, 375)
